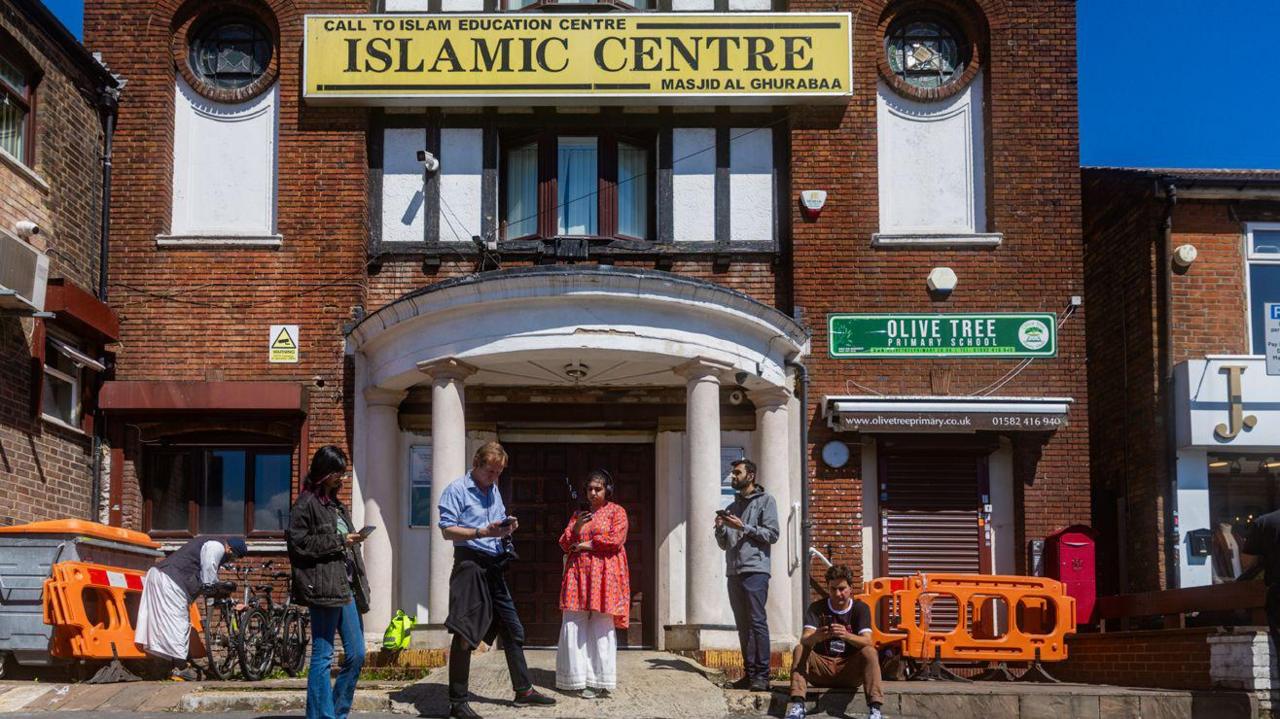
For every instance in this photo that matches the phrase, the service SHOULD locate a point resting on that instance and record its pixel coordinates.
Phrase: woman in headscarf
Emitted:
(328, 577)
(595, 595)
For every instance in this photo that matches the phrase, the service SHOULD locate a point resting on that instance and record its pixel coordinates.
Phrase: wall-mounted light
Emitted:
(1183, 256)
(575, 370)
(941, 281)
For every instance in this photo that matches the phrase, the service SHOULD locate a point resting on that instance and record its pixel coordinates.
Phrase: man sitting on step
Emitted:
(836, 650)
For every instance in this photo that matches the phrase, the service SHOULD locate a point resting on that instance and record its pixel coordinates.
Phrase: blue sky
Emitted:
(1163, 83)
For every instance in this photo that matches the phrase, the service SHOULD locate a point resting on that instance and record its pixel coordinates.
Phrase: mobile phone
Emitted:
(367, 530)
(507, 522)
(722, 513)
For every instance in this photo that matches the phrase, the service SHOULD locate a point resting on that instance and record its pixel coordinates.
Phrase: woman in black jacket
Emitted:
(328, 576)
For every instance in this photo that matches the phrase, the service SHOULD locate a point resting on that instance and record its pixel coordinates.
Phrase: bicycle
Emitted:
(223, 637)
(275, 634)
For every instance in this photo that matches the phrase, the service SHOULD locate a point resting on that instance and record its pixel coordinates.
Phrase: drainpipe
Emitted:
(108, 107)
(806, 525)
(1164, 254)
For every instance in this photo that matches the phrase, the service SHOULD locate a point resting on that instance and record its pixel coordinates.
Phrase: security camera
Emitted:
(428, 160)
(26, 228)
(1183, 256)
(736, 397)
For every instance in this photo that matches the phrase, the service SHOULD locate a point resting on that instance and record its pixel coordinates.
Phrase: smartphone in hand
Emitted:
(366, 530)
(507, 522)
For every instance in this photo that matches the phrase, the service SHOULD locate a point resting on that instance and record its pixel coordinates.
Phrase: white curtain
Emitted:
(522, 191)
(633, 191)
(577, 175)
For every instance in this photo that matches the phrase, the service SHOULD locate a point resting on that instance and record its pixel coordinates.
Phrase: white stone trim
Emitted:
(20, 167)
(221, 242)
(955, 240)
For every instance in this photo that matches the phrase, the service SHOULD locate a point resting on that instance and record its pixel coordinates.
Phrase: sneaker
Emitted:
(588, 693)
(795, 710)
(534, 697)
(759, 685)
(874, 713)
(743, 683)
(186, 675)
(602, 694)
(462, 710)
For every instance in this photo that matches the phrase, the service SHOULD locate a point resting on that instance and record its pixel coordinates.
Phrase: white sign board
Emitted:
(283, 344)
(1227, 402)
(1271, 337)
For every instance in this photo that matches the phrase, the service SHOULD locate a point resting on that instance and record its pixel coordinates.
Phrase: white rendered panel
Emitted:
(693, 170)
(750, 185)
(461, 170)
(750, 5)
(406, 6)
(224, 164)
(931, 163)
(402, 184)
(692, 5)
(462, 5)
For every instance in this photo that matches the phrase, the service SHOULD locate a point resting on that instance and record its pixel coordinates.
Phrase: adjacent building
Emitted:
(1182, 271)
(56, 332)
(652, 237)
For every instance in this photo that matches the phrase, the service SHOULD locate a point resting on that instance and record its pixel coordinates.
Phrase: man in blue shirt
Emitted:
(474, 518)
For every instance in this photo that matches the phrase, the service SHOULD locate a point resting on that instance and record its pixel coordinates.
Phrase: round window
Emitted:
(926, 52)
(230, 53)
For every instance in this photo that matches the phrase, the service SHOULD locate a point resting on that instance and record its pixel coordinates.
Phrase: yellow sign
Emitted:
(284, 343)
(664, 58)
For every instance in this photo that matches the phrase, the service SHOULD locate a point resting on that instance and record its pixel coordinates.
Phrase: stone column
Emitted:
(702, 486)
(773, 471)
(448, 462)
(382, 502)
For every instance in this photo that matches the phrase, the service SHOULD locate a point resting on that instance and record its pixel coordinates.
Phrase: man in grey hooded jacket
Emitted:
(747, 531)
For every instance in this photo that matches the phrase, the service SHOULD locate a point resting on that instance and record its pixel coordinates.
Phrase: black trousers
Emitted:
(509, 629)
(1273, 615)
(747, 596)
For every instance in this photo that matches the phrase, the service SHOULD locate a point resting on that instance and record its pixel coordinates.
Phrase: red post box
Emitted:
(1069, 558)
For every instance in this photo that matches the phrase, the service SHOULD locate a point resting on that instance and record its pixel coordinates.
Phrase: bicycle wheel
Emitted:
(257, 642)
(220, 640)
(294, 645)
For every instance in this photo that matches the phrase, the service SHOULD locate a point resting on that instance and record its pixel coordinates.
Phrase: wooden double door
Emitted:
(535, 488)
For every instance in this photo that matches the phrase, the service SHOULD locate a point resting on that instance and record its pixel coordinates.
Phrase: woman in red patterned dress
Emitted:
(595, 595)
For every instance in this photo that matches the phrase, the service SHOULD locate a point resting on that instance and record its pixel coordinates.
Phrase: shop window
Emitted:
(16, 116)
(1262, 242)
(1241, 488)
(65, 362)
(215, 489)
(577, 186)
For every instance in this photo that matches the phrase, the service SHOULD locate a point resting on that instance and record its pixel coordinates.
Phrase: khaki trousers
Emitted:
(848, 672)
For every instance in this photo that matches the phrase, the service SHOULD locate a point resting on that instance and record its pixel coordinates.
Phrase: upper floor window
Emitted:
(15, 110)
(577, 185)
(1262, 245)
(230, 53)
(925, 51)
(217, 489)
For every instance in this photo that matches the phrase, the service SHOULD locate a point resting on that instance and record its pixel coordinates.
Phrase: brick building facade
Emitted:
(673, 320)
(54, 335)
(1178, 268)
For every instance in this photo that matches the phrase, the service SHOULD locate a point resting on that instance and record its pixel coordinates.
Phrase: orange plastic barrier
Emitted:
(92, 607)
(997, 618)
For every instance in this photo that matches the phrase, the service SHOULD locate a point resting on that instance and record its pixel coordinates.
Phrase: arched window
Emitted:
(926, 51)
(230, 52)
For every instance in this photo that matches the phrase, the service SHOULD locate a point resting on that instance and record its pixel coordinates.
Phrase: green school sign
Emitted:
(997, 334)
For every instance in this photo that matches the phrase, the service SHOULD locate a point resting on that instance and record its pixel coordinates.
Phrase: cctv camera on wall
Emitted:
(26, 228)
(428, 160)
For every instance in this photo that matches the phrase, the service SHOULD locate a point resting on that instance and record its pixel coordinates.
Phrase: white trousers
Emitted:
(164, 617)
(587, 655)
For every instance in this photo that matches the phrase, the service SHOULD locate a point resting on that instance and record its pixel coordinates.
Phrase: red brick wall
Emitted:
(45, 470)
(1164, 659)
(206, 314)
(1124, 226)
(1033, 181)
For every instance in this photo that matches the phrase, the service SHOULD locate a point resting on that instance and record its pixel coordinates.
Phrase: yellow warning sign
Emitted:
(283, 345)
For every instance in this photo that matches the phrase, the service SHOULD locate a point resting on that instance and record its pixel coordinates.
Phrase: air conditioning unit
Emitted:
(24, 274)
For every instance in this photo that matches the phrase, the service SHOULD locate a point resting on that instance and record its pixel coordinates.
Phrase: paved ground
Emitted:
(654, 685)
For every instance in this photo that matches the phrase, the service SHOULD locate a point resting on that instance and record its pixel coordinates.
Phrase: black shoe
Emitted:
(462, 710)
(758, 685)
(743, 683)
(534, 698)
